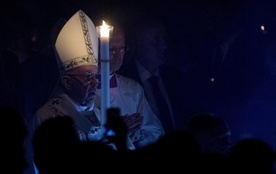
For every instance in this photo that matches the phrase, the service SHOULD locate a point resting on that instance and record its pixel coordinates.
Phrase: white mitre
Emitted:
(77, 43)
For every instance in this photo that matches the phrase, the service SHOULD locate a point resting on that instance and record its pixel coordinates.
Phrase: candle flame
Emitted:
(104, 30)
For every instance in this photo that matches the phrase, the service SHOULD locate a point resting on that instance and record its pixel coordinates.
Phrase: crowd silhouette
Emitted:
(58, 149)
(13, 151)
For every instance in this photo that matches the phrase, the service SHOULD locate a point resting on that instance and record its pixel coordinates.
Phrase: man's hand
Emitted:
(133, 122)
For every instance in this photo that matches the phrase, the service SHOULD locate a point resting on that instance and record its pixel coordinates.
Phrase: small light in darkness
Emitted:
(263, 30)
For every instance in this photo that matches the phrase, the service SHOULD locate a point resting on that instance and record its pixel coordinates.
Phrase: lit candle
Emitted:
(104, 34)
(104, 31)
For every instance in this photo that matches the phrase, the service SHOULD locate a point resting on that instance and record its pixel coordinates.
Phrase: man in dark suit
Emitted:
(147, 59)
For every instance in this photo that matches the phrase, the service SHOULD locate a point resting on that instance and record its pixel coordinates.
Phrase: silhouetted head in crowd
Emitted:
(55, 143)
(168, 151)
(179, 143)
(252, 155)
(211, 132)
(57, 148)
(12, 144)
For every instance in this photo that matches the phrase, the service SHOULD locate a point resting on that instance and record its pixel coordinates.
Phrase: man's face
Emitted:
(81, 84)
(116, 49)
(153, 45)
(216, 139)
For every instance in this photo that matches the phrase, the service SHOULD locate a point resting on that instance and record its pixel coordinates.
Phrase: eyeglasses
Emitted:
(87, 77)
(115, 50)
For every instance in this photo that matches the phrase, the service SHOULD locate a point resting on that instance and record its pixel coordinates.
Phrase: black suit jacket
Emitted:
(172, 79)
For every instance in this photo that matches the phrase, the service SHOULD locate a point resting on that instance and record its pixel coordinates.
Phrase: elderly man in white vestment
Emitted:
(77, 58)
(74, 94)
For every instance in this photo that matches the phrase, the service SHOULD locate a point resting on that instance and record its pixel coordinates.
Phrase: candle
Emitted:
(104, 30)
(104, 34)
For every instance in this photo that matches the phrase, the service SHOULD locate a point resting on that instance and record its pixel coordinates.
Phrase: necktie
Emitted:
(164, 112)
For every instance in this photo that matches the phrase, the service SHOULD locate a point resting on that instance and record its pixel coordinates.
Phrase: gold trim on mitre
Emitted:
(77, 42)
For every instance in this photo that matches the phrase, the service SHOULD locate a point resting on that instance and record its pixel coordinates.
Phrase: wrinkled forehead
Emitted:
(84, 69)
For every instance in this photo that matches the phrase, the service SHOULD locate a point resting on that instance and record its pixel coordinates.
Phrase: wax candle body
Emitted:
(105, 88)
